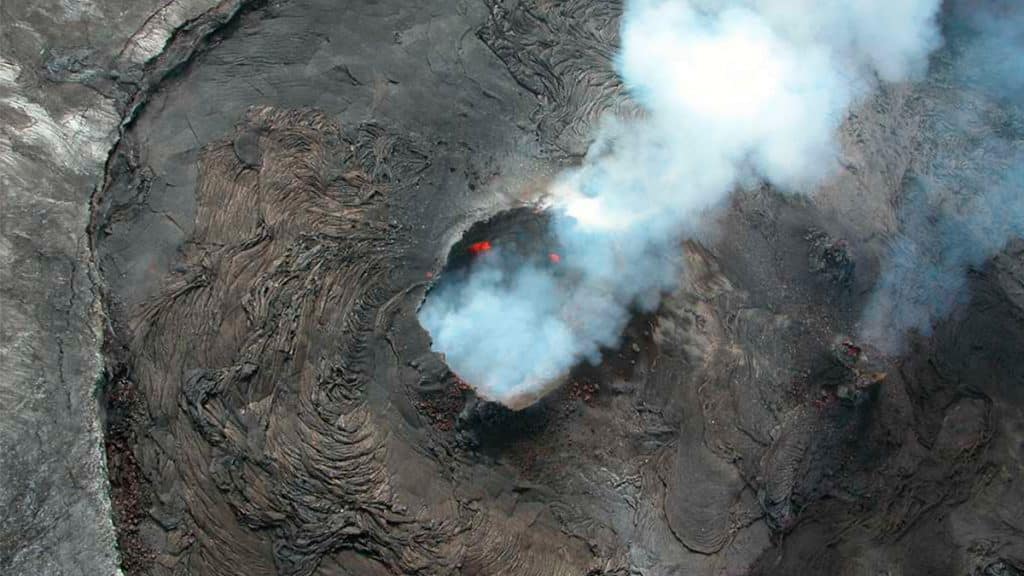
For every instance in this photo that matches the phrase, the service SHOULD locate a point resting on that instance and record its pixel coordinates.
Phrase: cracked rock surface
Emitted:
(61, 105)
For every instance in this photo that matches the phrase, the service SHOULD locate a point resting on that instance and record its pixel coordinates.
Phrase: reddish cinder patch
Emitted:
(851, 349)
(555, 258)
(825, 401)
(581, 390)
(479, 247)
(441, 409)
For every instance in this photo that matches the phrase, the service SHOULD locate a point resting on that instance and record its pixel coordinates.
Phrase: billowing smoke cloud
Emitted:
(970, 202)
(733, 92)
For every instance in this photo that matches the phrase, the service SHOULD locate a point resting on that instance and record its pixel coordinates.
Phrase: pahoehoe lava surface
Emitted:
(276, 212)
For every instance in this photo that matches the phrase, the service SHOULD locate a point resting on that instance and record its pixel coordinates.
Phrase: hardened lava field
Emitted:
(821, 381)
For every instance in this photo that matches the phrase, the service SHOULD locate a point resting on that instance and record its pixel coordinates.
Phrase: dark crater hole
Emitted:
(520, 235)
(508, 240)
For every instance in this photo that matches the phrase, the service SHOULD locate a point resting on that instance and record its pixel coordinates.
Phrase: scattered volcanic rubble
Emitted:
(275, 215)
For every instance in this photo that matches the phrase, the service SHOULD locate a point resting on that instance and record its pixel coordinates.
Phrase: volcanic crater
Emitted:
(277, 407)
(504, 243)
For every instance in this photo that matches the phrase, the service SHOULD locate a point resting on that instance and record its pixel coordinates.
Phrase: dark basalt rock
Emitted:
(265, 268)
(1002, 568)
(830, 258)
(247, 149)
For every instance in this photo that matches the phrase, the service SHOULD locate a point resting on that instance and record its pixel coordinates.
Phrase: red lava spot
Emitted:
(479, 247)
(825, 401)
(851, 349)
(430, 275)
(555, 258)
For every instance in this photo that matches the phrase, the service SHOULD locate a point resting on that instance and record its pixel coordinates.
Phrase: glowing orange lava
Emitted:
(479, 247)
(555, 258)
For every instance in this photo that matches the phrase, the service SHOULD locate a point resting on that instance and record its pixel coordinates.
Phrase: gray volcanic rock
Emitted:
(275, 214)
(60, 118)
(62, 106)
(279, 184)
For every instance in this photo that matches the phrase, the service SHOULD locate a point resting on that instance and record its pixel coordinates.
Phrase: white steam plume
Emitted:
(733, 91)
(971, 201)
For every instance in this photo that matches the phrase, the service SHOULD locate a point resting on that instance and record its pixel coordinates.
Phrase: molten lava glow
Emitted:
(555, 258)
(479, 247)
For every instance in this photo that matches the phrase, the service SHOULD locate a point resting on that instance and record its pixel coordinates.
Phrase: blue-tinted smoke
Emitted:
(970, 202)
(992, 43)
(734, 91)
